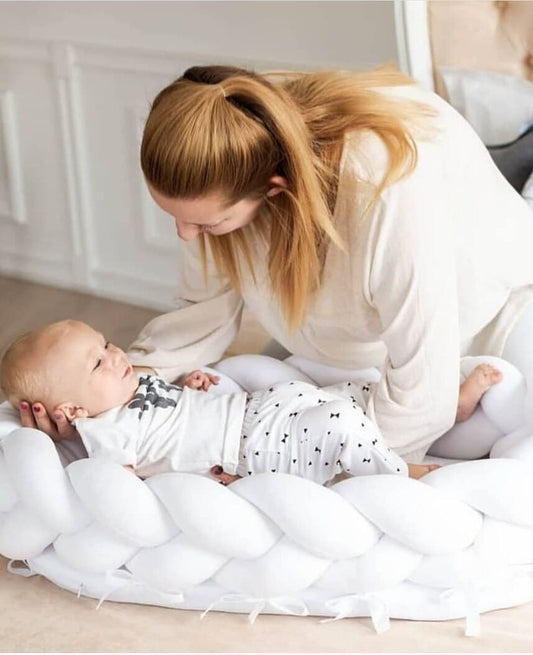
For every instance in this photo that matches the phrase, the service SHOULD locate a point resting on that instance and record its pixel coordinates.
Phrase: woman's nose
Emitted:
(187, 232)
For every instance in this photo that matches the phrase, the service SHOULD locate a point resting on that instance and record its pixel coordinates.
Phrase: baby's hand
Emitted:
(199, 380)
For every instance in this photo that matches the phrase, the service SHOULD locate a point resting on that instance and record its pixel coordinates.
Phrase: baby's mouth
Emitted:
(127, 372)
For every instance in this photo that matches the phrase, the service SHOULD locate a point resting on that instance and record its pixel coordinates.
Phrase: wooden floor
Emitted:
(26, 305)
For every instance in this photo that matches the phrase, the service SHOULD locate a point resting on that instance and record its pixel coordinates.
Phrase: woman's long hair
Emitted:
(229, 130)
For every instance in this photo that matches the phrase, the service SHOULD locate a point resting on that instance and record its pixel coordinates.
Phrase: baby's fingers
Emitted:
(208, 380)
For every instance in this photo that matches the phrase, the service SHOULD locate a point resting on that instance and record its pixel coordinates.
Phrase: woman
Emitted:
(358, 217)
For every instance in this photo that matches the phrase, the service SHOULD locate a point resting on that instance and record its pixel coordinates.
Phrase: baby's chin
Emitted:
(119, 399)
(132, 384)
(128, 392)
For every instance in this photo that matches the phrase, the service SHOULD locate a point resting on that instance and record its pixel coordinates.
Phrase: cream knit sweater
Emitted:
(441, 267)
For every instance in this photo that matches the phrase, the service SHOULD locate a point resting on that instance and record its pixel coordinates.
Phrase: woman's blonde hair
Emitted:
(229, 130)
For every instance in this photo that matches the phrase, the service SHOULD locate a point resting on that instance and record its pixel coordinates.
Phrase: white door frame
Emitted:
(413, 42)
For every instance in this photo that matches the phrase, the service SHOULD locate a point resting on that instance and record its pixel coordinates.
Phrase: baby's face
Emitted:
(92, 375)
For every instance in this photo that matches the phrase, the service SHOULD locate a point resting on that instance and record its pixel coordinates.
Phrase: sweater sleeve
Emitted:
(412, 285)
(199, 331)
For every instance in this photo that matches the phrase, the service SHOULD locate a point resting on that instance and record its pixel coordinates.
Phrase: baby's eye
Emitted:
(100, 360)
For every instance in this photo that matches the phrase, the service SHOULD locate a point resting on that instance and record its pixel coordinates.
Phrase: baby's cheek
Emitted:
(112, 393)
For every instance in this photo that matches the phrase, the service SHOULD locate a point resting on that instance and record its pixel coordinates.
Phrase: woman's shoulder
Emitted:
(365, 154)
(365, 157)
(364, 151)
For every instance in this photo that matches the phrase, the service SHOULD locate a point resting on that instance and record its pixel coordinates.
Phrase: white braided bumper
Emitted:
(454, 544)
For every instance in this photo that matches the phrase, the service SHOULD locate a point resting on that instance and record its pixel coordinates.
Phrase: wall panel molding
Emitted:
(64, 69)
(122, 286)
(70, 63)
(150, 215)
(80, 166)
(41, 268)
(78, 185)
(147, 60)
(25, 49)
(16, 208)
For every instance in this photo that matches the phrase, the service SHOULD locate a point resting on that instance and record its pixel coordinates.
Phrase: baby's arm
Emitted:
(198, 380)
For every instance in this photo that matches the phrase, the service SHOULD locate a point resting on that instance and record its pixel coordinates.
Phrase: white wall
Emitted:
(76, 79)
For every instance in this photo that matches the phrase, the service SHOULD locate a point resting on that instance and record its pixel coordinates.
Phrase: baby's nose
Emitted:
(116, 357)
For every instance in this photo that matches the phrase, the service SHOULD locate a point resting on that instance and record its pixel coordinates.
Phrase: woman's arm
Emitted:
(414, 289)
(199, 331)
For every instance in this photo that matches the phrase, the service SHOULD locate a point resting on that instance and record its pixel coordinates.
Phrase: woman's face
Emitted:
(209, 214)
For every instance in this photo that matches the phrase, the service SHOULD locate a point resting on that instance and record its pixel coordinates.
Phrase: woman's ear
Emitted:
(71, 411)
(276, 184)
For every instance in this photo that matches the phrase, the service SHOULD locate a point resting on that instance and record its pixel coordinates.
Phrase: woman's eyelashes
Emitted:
(208, 228)
(100, 360)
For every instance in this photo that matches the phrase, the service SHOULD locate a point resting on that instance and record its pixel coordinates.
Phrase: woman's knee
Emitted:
(518, 349)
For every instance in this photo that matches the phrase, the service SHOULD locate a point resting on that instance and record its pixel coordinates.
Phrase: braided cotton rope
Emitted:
(270, 537)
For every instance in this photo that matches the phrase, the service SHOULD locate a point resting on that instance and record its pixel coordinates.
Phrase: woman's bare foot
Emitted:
(416, 471)
(482, 378)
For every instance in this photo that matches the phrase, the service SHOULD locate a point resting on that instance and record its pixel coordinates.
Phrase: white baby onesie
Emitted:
(167, 428)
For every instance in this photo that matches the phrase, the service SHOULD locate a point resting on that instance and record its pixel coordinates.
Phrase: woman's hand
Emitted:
(199, 380)
(56, 427)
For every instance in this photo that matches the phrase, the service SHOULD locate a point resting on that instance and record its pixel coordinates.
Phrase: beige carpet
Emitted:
(37, 616)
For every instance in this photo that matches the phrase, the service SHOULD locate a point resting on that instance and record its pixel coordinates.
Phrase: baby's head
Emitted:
(67, 366)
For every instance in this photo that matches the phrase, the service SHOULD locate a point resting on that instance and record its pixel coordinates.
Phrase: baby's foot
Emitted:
(418, 470)
(482, 378)
(223, 477)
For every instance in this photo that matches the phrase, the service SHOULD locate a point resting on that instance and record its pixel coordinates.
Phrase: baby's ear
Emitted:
(72, 411)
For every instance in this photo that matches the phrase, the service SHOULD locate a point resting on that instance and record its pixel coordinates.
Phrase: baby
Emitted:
(142, 422)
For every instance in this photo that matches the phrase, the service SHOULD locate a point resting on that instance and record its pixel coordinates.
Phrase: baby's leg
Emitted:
(337, 436)
(480, 380)
(302, 430)
(356, 391)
